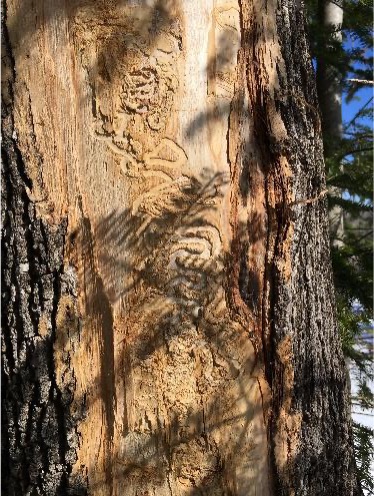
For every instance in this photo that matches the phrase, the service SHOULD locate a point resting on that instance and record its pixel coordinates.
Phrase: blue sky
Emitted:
(350, 109)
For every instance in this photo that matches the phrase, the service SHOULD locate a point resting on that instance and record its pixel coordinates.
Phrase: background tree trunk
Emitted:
(329, 88)
(169, 324)
(328, 77)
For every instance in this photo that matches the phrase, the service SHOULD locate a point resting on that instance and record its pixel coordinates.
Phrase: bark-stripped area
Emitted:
(279, 159)
(112, 117)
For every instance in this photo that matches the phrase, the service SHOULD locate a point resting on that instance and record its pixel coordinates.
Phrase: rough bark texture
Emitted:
(39, 436)
(169, 324)
(284, 165)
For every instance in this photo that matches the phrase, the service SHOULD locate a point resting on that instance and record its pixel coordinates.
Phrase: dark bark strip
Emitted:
(292, 317)
(39, 439)
(324, 463)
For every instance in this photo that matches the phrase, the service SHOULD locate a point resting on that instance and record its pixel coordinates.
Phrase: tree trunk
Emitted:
(329, 77)
(329, 88)
(169, 321)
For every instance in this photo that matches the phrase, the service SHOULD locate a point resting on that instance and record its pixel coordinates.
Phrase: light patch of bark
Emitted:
(167, 377)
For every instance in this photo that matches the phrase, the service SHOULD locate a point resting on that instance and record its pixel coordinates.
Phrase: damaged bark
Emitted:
(169, 325)
(39, 437)
(279, 158)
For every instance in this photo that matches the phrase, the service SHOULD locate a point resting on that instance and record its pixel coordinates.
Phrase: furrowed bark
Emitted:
(39, 438)
(279, 159)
